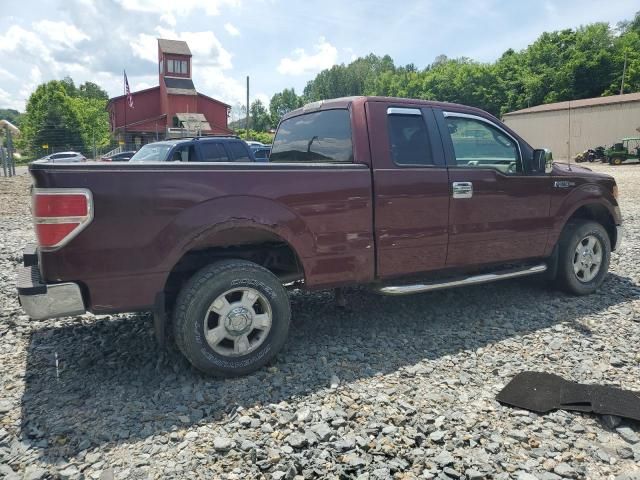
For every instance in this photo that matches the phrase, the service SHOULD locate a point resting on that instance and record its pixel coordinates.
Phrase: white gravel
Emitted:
(390, 388)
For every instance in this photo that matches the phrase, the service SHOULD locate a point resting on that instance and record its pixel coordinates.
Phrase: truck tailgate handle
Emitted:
(462, 189)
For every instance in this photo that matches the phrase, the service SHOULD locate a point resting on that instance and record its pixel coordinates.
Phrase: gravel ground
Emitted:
(388, 388)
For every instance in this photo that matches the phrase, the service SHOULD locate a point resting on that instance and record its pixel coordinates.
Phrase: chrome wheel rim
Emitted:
(587, 258)
(237, 322)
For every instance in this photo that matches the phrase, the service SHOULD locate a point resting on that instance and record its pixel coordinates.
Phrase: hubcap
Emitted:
(587, 258)
(237, 322)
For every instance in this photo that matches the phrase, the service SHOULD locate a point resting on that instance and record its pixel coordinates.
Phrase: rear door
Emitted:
(411, 189)
(499, 211)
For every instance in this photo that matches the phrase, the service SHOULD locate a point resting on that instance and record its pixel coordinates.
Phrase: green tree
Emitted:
(260, 118)
(92, 90)
(283, 102)
(94, 121)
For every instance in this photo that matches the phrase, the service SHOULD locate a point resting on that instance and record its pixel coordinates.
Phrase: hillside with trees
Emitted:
(562, 65)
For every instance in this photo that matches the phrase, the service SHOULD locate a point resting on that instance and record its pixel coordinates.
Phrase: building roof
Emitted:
(180, 86)
(177, 47)
(585, 102)
(194, 121)
(9, 125)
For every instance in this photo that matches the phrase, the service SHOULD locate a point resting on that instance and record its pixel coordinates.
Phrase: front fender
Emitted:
(587, 194)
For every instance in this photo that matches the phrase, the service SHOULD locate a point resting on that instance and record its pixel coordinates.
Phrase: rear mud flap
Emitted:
(543, 392)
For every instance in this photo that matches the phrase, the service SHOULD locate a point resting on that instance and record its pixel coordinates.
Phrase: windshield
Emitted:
(152, 152)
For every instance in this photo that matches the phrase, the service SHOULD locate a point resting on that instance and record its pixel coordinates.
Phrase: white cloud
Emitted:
(231, 30)
(181, 8)
(60, 35)
(145, 46)
(302, 62)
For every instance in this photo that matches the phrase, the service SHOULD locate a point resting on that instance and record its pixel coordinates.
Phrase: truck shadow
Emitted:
(113, 386)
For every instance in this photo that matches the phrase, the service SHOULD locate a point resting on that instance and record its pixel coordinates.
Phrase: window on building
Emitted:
(408, 137)
(323, 136)
(213, 152)
(177, 66)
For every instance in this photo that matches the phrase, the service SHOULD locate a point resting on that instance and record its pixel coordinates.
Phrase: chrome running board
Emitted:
(460, 282)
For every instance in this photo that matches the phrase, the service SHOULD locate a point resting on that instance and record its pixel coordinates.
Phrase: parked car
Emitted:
(254, 145)
(119, 157)
(262, 154)
(63, 157)
(402, 196)
(200, 149)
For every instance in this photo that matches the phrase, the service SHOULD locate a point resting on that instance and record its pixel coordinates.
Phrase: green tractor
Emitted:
(627, 149)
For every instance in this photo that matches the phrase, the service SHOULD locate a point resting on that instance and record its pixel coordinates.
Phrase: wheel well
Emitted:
(600, 214)
(262, 248)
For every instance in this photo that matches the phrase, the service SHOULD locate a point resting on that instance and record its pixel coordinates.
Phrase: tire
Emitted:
(577, 277)
(616, 161)
(215, 343)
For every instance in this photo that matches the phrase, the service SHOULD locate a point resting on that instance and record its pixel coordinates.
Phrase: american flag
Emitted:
(127, 91)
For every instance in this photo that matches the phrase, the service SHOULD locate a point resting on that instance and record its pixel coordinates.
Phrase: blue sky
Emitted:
(279, 43)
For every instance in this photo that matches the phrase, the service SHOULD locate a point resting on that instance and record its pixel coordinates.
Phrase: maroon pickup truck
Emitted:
(405, 196)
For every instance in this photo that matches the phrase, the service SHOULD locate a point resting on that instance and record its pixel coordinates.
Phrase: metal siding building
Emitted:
(569, 128)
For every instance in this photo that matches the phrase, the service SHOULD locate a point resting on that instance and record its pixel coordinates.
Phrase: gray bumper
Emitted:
(619, 237)
(40, 300)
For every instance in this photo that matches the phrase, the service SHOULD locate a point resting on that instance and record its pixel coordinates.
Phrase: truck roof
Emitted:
(345, 102)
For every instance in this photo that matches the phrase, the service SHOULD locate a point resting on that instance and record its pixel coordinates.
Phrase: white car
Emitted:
(64, 157)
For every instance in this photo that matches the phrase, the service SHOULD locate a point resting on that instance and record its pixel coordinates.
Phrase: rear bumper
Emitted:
(40, 300)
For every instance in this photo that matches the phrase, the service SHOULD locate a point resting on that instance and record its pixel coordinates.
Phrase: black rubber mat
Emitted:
(543, 392)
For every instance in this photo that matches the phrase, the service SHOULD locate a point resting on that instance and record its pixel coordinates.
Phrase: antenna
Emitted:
(569, 139)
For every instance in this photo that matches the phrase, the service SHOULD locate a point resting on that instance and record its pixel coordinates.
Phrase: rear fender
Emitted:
(223, 221)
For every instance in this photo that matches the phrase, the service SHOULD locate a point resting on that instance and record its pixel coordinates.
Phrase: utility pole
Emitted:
(12, 163)
(624, 71)
(247, 122)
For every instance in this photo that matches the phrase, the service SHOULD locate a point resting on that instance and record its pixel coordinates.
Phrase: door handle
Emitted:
(462, 189)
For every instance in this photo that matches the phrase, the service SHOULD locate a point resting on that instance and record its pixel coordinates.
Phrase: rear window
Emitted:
(239, 152)
(323, 136)
(213, 152)
(152, 152)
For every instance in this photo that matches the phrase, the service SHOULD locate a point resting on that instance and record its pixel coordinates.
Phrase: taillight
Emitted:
(60, 214)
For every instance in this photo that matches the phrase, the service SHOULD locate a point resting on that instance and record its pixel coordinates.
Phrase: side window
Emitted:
(408, 138)
(239, 152)
(323, 136)
(213, 152)
(185, 153)
(477, 144)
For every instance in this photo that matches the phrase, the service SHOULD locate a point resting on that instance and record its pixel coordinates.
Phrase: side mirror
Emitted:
(543, 160)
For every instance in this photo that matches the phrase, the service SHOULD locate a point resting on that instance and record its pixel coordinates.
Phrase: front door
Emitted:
(499, 211)
(411, 189)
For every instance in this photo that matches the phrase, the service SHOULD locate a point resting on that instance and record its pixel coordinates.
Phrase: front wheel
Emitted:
(584, 255)
(231, 318)
(616, 161)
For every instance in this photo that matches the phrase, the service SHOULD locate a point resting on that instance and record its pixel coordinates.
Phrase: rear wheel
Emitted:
(584, 256)
(616, 161)
(231, 318)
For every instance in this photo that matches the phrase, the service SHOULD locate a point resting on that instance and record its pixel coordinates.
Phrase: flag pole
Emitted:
(124, 89)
